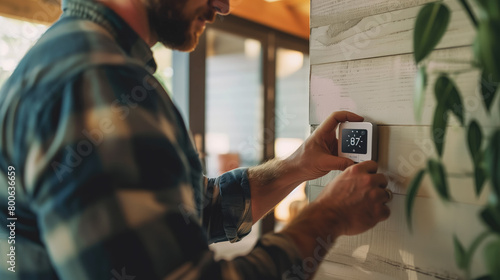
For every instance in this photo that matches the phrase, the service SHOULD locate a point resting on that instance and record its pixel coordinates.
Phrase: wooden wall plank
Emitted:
(324, 12)
(404, 150)
(383, 34)
(390, 251)
(427, 254)
(362, 61)
(461, 189)
(382, 88)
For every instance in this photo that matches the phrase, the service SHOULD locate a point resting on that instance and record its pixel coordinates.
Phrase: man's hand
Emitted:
(319, 155)
(272, 181)
(351, 204)
(357, 198)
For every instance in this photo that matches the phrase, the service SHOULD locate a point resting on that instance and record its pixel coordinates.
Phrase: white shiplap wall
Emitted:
(361, 61)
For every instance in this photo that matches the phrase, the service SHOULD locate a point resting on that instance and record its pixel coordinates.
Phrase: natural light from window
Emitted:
(16, 38)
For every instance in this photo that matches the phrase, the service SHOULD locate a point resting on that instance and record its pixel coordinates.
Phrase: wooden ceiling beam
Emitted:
(287, 16)
(279, 15)
(38, 11)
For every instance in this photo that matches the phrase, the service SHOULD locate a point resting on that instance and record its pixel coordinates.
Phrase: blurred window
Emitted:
(291, 119)
(16, 38)
(164, 72)
(234, 102)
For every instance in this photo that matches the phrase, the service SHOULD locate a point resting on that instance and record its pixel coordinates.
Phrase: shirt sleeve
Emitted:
(228, 215)
(110, 186)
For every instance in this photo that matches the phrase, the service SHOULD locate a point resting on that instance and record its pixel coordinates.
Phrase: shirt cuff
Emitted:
(236, 204)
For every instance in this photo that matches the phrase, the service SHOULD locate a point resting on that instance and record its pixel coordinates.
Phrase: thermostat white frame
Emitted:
(371, 145)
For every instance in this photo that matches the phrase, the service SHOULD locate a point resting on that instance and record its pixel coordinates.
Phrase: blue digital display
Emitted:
(354, 141)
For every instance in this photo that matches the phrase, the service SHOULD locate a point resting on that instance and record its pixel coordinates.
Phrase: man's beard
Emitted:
(172, 27)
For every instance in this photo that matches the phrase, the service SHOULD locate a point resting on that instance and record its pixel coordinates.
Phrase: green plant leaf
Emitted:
(411, 195)
(489, 8)
(430, 26)
(493, 161)
(489, 44)
(492, 259)
(419, 95)
(467, 8)
(439, 124)
(491, 216)
(480, 176)
(474, 139)
(489, 87)
(484, 277)
(446, 92)
(476, 50)
(460, 255)
(472, 249)
(438, 176)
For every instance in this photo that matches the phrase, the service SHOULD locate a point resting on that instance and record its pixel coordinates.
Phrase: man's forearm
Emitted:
(274, 180)
(314, 230)
(314, 226)
(270, 183)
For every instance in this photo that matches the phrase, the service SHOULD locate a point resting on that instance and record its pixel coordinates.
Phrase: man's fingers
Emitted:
(334, 119)
(389, 194)
(382, 195)
(368, 166)
(338, 163)
(380, 180)
(384, 212)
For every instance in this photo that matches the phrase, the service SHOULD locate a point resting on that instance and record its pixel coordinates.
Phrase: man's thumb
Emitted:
(340, 163)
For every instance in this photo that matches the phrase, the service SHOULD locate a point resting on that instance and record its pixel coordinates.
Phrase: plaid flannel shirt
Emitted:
(107, 182)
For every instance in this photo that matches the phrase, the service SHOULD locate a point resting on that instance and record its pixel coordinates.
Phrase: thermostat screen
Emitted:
(354, 141)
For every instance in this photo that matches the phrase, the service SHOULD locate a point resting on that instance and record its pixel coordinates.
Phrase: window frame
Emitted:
(270, 40)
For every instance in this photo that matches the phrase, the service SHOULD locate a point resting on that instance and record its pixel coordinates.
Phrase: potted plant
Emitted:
(430, 26)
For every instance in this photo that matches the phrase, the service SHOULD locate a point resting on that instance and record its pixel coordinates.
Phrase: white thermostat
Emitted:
(358, 141)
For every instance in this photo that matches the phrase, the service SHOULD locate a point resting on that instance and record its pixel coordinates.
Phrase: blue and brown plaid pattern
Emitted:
(109, 185)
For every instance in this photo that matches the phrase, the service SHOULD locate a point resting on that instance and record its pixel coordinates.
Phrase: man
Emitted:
(108, 184)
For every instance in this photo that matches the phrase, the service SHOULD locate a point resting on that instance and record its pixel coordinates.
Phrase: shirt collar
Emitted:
(124, 35)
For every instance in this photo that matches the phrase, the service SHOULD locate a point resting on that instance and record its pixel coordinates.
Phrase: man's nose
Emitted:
(221, 6)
